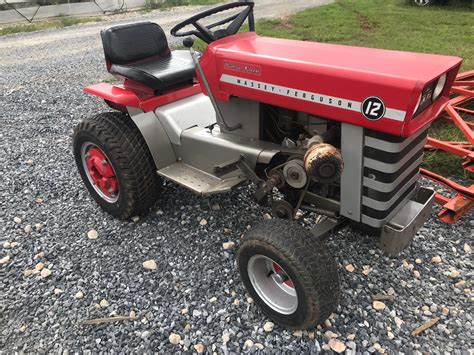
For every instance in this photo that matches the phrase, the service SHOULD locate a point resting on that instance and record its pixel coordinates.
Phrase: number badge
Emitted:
(373, 108)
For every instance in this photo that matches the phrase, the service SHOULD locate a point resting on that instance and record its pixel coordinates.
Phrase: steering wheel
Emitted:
(205, 32)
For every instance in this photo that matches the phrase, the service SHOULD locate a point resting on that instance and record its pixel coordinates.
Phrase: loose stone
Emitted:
(45, 273)
(39, 266)
(350, 268)
(150, 264)
(199, 348)
(378, 305)
(228, 245)
(174, 338)
(268, 326)
(337, 346)
(92, 234)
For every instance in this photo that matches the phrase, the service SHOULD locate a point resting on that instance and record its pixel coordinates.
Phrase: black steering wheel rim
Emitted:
(204, 31)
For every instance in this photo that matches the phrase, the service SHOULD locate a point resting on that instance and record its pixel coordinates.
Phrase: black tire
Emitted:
(121, 141)
(305, 260)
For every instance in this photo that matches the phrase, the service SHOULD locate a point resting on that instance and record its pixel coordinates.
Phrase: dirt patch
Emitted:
(365, 23)
(284, 24)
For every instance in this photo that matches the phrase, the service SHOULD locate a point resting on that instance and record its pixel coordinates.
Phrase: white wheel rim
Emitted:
(422, 2)
(265, 276)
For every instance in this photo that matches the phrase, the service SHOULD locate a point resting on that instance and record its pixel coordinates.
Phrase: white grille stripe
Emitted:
(338, 102)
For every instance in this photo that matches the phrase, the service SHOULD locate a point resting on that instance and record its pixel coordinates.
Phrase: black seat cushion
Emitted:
(134, 41)
(140, 52)
(160, 73)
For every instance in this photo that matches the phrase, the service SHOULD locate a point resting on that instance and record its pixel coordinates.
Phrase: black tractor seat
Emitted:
(140, 52)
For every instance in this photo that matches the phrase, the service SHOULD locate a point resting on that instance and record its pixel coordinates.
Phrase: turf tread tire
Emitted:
(118, 136)
(311, 261)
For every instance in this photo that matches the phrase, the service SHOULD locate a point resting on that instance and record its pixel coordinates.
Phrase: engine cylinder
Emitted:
(323, 162)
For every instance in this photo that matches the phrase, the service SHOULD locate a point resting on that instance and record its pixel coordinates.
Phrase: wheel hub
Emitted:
(281, 276)
(100, 172)
(272, 284)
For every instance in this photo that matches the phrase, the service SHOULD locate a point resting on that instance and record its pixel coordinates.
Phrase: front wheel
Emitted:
(289, 274)
(116, 164)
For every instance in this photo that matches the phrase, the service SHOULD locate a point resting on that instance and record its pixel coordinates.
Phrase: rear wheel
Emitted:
(115, 164)
(289, 274)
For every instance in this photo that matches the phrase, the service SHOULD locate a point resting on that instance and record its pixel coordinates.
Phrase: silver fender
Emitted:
(155, 137)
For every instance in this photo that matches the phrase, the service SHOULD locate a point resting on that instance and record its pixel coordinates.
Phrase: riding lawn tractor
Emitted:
(330, 129)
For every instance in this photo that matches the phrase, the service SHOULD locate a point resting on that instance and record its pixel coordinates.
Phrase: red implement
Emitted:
(460, 205)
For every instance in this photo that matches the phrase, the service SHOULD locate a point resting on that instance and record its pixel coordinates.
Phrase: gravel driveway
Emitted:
(195, 292)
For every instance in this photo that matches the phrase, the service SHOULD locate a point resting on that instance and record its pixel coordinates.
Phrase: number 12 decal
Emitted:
(373, 108)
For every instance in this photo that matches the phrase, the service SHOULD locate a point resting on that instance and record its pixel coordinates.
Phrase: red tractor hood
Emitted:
(330, 81)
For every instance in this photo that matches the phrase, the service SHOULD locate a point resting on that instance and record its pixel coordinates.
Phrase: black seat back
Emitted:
(133, 42)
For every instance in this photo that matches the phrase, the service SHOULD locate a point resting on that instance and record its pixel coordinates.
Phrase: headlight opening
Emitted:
(430, 94)
(439, 87)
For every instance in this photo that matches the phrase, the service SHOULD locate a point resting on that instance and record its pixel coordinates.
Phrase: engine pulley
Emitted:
(295, 174)
(323, 162)
(277, 177)
(283, 209)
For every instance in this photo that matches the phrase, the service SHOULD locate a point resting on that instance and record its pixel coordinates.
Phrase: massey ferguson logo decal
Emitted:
(246, 68)
(373, 108)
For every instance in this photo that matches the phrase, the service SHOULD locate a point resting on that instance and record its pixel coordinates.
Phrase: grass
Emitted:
(63, 21)
(391, 24)
(445, 163)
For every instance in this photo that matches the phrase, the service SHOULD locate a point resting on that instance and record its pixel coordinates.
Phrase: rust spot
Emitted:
(323, 162)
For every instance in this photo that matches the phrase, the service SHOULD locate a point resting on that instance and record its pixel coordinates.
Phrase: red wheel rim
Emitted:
(100, 172)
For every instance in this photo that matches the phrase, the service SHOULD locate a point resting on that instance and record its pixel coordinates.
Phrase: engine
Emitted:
(319, 163)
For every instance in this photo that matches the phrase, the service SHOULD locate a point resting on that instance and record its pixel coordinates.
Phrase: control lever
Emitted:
(188, 43)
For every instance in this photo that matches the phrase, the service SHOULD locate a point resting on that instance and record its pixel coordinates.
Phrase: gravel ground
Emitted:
(195, 291)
